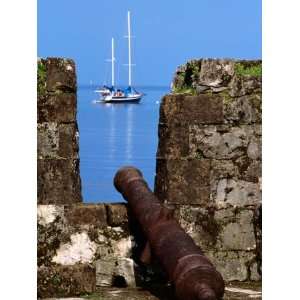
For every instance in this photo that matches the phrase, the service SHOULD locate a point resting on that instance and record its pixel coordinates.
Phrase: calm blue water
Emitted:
(114, 135)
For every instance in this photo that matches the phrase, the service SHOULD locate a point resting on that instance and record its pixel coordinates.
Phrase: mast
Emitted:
(129, 49)
(112, 62)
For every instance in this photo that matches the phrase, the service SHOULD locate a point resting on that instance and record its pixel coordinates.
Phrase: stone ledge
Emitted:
(235, 291)
(64, 281)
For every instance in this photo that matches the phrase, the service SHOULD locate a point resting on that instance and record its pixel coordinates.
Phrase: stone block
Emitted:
(236, 193)
(117, 272)
(173, 141)
(65, 281)
(237, 235)
(200, 224)
(58, 107)
(254, 272)
(233, 265)
(58, 181)
(86, 214)
(57, 140)
(222, 230)
(61, 75)
(50, 232)
(47, 140)
(188, 181)
(248, 169)
(78, 249)
(170, 108)
(242, 110)
(201, 109)
(216, 72)
(161, 180)
(245, 85)
(68, 140)
(104, 272)
(219, 142)
(117, 214)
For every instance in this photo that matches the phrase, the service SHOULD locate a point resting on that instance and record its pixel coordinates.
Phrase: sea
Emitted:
(115, 135)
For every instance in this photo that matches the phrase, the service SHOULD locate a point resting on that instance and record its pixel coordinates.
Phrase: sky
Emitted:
(166, 34)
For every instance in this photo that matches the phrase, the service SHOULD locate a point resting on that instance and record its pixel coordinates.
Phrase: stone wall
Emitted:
(80, 246)
(58, 177)
(208, 171)
(209, 161)
(78, 242)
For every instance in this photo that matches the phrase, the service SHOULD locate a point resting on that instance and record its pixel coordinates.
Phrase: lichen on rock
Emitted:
(80, 250)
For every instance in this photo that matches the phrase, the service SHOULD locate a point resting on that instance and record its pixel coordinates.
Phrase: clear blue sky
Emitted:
(167, 34)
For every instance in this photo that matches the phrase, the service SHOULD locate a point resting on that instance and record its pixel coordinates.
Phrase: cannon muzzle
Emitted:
(192, 274)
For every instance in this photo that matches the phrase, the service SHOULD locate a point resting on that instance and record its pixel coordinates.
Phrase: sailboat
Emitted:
(110, 94)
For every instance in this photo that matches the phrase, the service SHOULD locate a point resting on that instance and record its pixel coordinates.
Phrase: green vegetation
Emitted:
(226, 97)
(184, 90)
(250, 70)
(41, 78)
(56, 279)
(199, 154)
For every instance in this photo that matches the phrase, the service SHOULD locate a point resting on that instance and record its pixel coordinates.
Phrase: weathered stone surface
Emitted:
(200, 224)
(233, 291)
(223, 142)
(222, 169)
(57, 140)
(49, 108)
(58, 163)
(240, 77)
(68, 140)
(244, 85)
(58, 181)
(238, 235)
(222, 232)
(66, 281)
(242, 110)
(257, 221)
(248, 169)
(216, 72)
(118, 272)
(51, 231)
(219, 229)
(80, 249)
(61, 75)
(236, 193)
(47, 214)
(201, 109)
(117, 214)
(255, 275)
(233, 265)
(47, 140)
(173, 141)
(188, 181)
(87, 214)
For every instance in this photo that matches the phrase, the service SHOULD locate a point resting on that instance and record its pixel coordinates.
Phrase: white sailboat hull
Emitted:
(122, 99)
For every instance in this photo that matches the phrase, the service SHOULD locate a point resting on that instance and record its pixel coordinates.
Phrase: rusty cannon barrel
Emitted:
(192, 274)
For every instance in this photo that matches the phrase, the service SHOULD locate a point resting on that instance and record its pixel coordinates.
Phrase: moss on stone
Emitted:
(226, 97)
(246, 69)
(256, 100)
(199, 154)
(184, 90)
(41, 78)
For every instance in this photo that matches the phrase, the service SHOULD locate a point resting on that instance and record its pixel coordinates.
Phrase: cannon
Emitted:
(192, 274)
